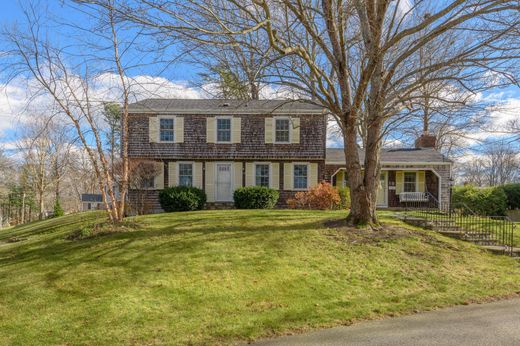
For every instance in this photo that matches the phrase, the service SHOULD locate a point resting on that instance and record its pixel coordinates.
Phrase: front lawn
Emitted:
(221, 277)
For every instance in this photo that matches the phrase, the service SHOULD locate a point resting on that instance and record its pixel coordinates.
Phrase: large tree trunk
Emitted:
(362, 210)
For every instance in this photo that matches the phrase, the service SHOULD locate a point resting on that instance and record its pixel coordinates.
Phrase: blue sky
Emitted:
(179, 77)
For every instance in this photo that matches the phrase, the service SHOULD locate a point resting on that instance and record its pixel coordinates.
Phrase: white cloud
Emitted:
(22, 98)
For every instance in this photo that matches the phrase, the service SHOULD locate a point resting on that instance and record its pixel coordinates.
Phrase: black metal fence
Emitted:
(462, 222)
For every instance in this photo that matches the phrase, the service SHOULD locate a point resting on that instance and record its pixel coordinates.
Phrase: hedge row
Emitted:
(512, 192)
(490, 201)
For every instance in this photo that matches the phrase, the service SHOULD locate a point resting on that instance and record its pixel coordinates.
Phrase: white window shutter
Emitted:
(210, 181)
(295, 130)
(211, 130)
(179, 129)
(250, 174)
(275, 176)
(197, 175)
(159, 179)
(236, 128)
(269, 130)
(173, 179)
(153, 129)
(288, 176)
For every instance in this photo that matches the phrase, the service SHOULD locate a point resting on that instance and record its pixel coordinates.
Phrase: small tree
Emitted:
(58, 210)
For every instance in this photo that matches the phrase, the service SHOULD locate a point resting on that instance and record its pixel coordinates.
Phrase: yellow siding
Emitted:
(399, 181)
(236, 129)
(420, 181)
(210, 183)
(197, 175)
(159, 179)
(250, 178)
(210, 130)
(295, 130)
(275, 176)
(237, 170)
(313, 175)
(179, 130)
(172, 174)
(153, 129)
(269, 130)
(288, 176)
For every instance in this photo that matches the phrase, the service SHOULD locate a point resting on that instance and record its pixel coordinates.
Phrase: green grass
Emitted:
(221, 277)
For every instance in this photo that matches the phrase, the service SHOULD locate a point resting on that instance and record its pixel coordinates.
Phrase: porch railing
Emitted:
(496, 232)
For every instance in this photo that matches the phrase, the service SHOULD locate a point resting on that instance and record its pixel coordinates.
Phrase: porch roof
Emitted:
(393, 156)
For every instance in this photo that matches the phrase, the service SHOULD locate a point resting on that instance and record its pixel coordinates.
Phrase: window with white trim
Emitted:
(301, 173)
(185, 174)
(166, 132)
(224, 130)
(282, 132)
(410, 182)
(262, 175)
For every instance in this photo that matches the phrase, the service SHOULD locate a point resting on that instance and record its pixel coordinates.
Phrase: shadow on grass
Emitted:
(139, 250)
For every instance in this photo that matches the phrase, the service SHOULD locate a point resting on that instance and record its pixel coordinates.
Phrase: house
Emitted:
(220, 145)
(406, 174)
(91, 201)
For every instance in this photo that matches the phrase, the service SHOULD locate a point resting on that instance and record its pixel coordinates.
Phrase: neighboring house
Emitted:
(91, 201)
(220, 145)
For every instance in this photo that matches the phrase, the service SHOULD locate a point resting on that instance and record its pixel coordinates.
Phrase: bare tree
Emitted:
(142, 173)
(357, 58)
(33, 55)
(36, 146)
(503, 164)
(497, 164)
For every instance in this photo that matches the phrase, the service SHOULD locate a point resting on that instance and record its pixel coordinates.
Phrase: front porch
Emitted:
(401, 188)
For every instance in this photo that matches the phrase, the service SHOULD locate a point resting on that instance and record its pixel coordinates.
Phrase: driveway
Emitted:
(495, 323)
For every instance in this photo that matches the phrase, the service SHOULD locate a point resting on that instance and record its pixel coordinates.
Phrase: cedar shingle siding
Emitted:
(252, 146)
(195, 142)
(248, 145)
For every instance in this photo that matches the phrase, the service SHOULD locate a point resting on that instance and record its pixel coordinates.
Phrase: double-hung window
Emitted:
(166, 129)
(262, 175)
(282, 132)
(147, 183)
(185, 174)
(410, 181)
(224, 130)
(301, 173)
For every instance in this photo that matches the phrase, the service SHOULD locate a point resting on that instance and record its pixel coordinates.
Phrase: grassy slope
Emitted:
(221, 276)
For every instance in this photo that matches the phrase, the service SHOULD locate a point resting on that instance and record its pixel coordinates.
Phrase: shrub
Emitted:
(323, 196)
(255, 197)
(512, 192)
(182, 198)
(490, 201)
(58, 210)
(344, 195)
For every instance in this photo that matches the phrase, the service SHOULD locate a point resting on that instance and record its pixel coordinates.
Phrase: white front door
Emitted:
(224, 186)
(382, 190)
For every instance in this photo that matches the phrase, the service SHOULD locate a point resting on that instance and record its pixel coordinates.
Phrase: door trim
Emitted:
(385, 204)
(231, 179)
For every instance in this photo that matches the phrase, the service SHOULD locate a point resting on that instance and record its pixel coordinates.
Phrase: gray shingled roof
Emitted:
(216, 106)
(91, 197)
(411, 155)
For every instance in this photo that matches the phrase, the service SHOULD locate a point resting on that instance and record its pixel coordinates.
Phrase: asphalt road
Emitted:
(495, 323)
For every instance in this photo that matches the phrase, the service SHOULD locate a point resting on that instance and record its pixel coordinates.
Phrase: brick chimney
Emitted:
(426, 140)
